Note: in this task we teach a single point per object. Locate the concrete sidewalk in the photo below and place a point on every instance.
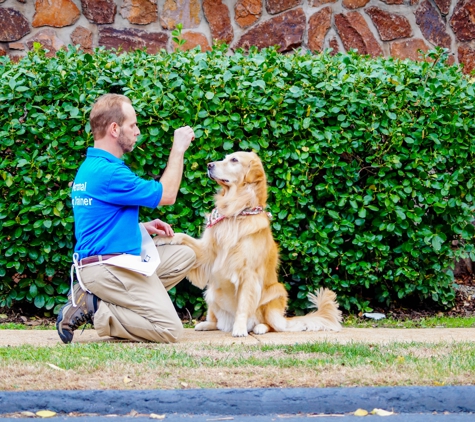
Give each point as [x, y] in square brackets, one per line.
[347, 335]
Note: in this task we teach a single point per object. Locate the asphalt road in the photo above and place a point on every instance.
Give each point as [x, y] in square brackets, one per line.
[408, 417]
[415, 404]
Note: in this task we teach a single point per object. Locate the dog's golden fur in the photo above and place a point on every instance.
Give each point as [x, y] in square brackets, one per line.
[237, 260]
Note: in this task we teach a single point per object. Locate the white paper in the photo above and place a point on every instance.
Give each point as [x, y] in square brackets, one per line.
[374, 315]
[146, 263]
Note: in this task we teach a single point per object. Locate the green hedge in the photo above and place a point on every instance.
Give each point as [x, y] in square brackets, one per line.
[370, 163]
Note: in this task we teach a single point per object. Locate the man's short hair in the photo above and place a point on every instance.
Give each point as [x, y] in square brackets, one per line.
[107, 109]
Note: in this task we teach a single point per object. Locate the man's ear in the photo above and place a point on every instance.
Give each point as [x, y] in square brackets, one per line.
[114, 130]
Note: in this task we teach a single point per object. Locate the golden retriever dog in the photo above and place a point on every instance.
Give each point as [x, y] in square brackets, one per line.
[237, 259]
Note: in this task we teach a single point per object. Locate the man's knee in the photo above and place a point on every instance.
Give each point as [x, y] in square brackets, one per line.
[189, 257]
[175, 332]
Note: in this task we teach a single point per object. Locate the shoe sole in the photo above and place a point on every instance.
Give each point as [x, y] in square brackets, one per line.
[64, 338]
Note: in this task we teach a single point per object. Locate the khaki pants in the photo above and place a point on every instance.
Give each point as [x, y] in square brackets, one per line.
[136, 307]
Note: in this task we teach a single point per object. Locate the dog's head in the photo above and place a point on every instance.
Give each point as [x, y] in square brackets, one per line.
[240, 169]
[237, 169]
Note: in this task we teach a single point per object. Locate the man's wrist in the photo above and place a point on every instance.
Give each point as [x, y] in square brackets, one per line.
[178, 150]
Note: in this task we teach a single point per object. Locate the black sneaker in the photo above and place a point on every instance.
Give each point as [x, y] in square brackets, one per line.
[72, 317]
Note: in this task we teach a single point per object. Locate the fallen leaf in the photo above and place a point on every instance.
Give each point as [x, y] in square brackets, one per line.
[3, 316]
[55, 367]
[184, 384]
[45, 413]
[127, 379]
[155, 416]
[361, 412]
[439, 384]
[381, 412]
[133, 413]
[28, 414]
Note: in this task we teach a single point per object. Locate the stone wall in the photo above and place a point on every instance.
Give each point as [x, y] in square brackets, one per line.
[396, 28]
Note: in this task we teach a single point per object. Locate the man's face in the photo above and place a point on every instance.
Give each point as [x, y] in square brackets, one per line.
[129, 130]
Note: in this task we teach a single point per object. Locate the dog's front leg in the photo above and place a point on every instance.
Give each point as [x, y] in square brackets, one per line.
[199, 273]
[248, 296]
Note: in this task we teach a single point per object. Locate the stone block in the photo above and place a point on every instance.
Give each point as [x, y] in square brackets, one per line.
[393, 1]
[333, 44]
[83, 37]
[193, 39]
[247, 12]
[316, 3]
[443, 5]
[409, 49]
[140, 12]
[466, 56]
[277, 6]
[354, 4]
[16, 46]
[55, 13]
[217, 15]
[132, 39]
[355, 34]
[186, 12]
[99, 11]
[463, 20]
[318, 26]
[431, 25]
[48, 39]
[14, 25]
[285, 30]
[389, 25]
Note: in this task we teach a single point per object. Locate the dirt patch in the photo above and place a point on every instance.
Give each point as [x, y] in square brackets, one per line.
[134, 377]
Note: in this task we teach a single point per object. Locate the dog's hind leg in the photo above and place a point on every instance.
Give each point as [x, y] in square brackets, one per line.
[211, 323]
[261, 329]
[273, 313]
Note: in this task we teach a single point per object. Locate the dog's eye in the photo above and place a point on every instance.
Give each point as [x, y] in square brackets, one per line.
[234, 160]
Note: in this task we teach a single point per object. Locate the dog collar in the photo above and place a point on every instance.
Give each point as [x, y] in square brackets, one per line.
[215, 217]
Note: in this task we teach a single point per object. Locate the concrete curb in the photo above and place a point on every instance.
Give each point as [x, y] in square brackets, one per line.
[245, 401]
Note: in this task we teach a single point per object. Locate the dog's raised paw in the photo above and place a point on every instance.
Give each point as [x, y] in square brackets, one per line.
[160, 241]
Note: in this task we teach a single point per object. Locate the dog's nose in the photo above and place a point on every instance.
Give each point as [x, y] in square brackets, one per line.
[210, 166]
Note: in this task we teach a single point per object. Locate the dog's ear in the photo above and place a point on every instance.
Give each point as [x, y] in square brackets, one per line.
[257, 177]
[255, 173]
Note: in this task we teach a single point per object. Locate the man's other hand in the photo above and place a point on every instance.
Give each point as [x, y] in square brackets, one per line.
[182, 138]
[159, 228]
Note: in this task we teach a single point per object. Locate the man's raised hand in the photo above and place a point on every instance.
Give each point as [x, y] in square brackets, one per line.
[182, 138]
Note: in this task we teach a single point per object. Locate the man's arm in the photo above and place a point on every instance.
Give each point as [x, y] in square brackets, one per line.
[171, 178]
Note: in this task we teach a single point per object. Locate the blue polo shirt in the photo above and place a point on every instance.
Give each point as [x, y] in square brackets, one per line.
[106, 196]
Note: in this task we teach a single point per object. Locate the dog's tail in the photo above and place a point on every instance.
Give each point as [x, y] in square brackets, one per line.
[326, 317]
